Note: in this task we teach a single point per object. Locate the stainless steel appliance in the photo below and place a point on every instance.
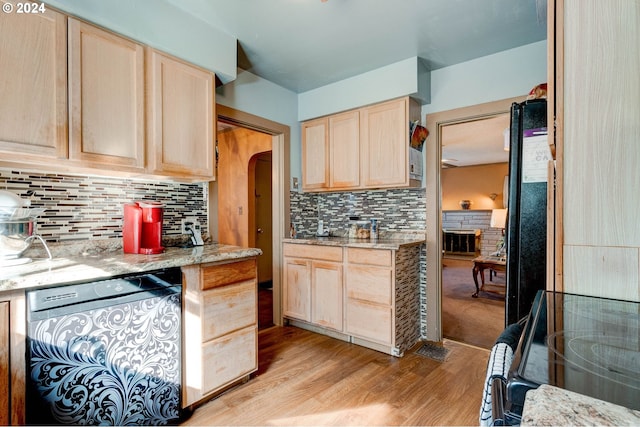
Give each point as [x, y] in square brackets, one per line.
[526, 227]
[106, 352]
[17, 229]
[585, 344]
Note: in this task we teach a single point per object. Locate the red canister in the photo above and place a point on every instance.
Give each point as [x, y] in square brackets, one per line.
[152, 216]
[142, 227]
[131, 228]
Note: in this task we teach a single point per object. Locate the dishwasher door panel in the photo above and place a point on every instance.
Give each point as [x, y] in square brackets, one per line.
[115, 365]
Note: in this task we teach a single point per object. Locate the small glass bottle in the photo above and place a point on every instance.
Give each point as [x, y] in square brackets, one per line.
[353, 226]
[374, 228]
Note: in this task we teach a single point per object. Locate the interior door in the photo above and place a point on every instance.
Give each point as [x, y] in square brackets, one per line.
[263, 204]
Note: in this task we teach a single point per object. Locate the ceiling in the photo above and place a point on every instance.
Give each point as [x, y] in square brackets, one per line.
[305, 44]
[475, 142]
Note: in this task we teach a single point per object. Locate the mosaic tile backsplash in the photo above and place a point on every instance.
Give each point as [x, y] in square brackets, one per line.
[397, 210]
[89, 208]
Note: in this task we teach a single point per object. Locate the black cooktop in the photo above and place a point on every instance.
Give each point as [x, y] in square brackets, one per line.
[584, 344]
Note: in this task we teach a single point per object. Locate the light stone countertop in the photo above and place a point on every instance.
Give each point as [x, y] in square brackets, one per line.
[100, 259]
[552, 406]
[393, 242]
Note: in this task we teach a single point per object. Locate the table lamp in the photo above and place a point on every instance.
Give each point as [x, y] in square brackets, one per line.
[498, 220]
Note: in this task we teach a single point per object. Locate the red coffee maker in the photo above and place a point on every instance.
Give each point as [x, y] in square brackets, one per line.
[142, 227]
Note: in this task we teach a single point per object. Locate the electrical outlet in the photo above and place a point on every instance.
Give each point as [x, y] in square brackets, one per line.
[190, 219]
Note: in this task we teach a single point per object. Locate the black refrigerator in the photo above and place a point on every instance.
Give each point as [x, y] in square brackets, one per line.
[526, 226]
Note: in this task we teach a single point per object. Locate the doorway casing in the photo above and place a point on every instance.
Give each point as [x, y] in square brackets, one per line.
[435, 123]
[280, 172]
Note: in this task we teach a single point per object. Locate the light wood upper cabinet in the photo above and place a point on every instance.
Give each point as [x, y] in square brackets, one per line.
[344, 150]
[181, 115]
[385, 148]
[33, 65]
[365, 148]
[106, 98]
[315, 154]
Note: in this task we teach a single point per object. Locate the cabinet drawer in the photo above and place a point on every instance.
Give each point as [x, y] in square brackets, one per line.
[229, 358]
[327, 253]
[228, 308]
[214, 275]
[369, 321]
[380, 257]
[373, 284]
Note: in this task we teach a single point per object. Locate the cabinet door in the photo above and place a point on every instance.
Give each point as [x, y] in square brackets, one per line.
[385, 144]
[4, 363]
[369, 321]
[327, 295]
[33, 107]
[106, 98]
[297, 289]
[315, 155]
[344, 150]
[181, 114]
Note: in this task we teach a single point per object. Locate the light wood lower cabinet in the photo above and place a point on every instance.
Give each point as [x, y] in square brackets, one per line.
[313, 289]
[326, 294]
[370, 297]
[370, 294]
[220, 327]
[12, 358]
[4, 363]
[297, 289]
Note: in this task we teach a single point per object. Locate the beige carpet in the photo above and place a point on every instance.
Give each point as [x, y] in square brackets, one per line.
[476, 321]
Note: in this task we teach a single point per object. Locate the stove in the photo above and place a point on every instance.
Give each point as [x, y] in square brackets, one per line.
[585, 344]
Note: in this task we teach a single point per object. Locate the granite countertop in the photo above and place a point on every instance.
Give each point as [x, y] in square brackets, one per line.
[88, 261]
[393, 242]
[552, 406]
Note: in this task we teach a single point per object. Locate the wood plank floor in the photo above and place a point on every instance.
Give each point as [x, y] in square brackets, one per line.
[310, 379]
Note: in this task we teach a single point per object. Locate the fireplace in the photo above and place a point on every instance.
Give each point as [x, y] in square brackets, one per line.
[461, 242]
